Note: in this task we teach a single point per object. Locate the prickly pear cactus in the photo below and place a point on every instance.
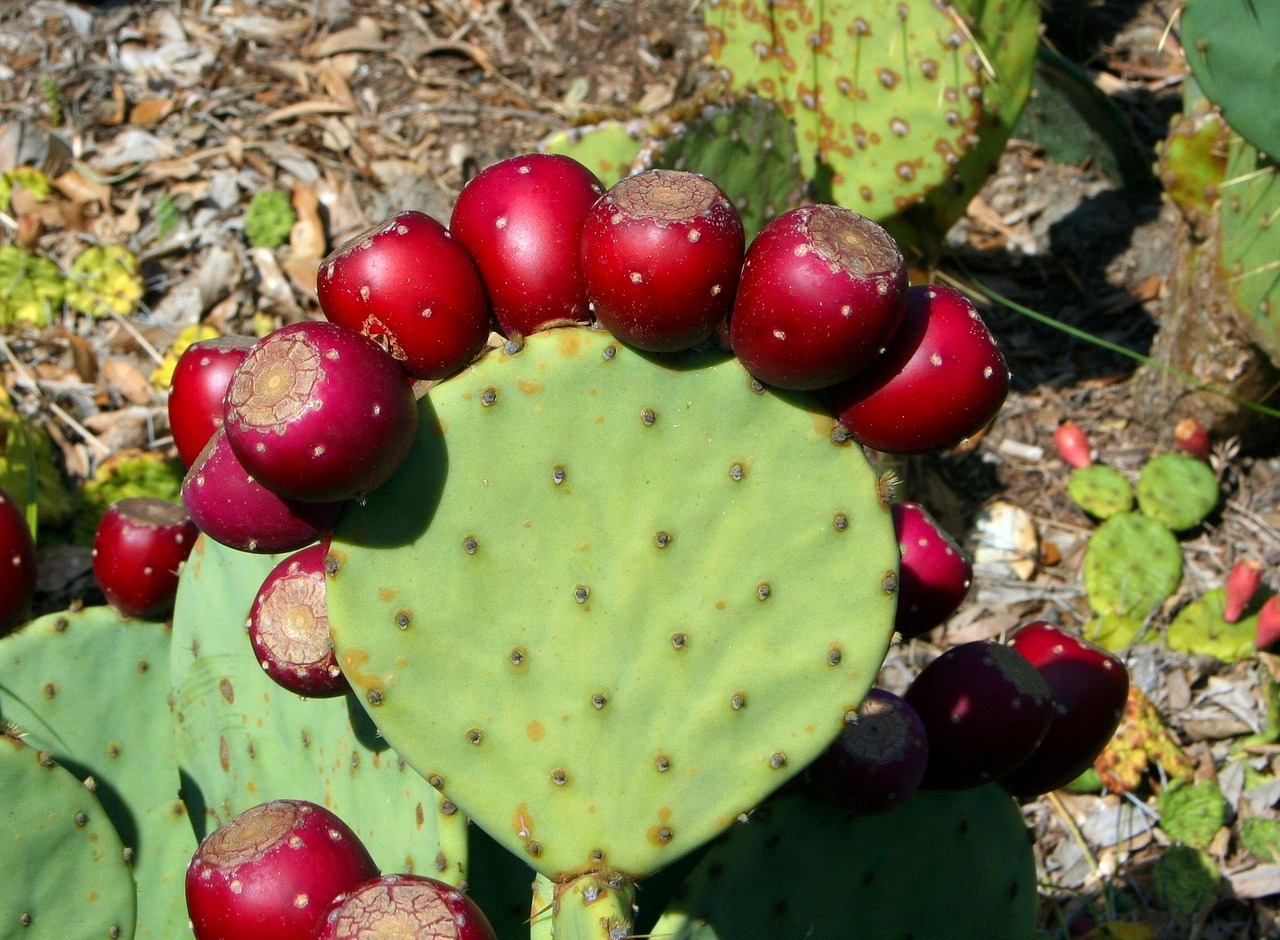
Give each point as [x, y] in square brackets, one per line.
[69, 876]
[55, 675]
[1101, 491]
[610, 601]
[801, 868]
[243, 740]
[1177, 491]
[1248, 210]
[1199, 627]
[895, 104]
[1132, 564]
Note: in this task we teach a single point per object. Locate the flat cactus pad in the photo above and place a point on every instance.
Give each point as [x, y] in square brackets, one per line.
[610, 602]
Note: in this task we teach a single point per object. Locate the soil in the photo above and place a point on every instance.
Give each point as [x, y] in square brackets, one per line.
[361, 109]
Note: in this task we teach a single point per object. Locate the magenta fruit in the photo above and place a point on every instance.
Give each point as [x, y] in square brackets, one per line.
[409, 906]
[139, 549]
[271, 872]
[935, 573]
[821, 293]
[410, 286]
[17, 564]
[661, 253]
[289, 627]
[198, 391]
[320, 413]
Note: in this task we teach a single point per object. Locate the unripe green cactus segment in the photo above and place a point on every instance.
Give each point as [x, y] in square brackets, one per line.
[1101, 491]
[611, 601]
[1132, 564]
[1177, 490]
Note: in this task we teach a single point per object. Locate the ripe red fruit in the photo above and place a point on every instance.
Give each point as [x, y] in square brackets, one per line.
[521, 220]
[661, 253]
[289, 627]
[985, 709]
[17, 564]
[410, 286]
[320, 413]
[879, 759]
[138, 551]
[1243, 582]
[271, 872]
[1192, 437]
[1267, 634]
[1072, 444]
[941, 380]
[935, 573]
[404, 906]
[231, 507]
[1089, 688]
[198, 390]
[821, 293]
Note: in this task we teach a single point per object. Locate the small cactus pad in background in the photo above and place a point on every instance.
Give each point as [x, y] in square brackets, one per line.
[1177, 491]
[800, 868]
[609, 603]
[1101, 491]
[1132, 564]
[1201, 627]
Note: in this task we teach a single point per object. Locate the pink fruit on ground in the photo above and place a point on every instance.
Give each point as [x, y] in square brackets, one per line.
[661, 253]
[1072, 444]
[879, 759]
[17, 564]
[271, 872]
[198, 390]
[941, 380]
[231, 507]
[821, 293]
[985, 709]
[320, 413]
[1267, 634]
[935, 573]
[138, 551]
[521, 220]
[1191, 437]
[410, 286]
[289, 627]
[1243, 582]
[409, 906]
[1089, 687]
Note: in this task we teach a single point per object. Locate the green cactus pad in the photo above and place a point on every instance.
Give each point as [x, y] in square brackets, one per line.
[92, 689]
[1199, 628]
[1132, 564]
[1185, 879]
[607, 149]
[609, 601]
[1248, 211]
[1177, 490]
[1192, 812]
[1261, 837]
[1115, 632]
[1231, 48]
[801, 868]
[66, 876]
[1101, 491]
[243, 740]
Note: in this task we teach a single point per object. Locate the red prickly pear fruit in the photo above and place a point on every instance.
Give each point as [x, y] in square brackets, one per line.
[139, 549]
[1267, 634]
[410, 286]
[271, 872]
[1089, 688]
[289, 627]
[935, 573]
[404, 906]
[198, 391]
[1191, 437]
[985, 709]
[1242, 583]
[941, 380]
[320, 413]
[17, 564]
[230, 506]
[661, 254]
[822, 291]
[1073, 445]
[521, 220]
[878, 761]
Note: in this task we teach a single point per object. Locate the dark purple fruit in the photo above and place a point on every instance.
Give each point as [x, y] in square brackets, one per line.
[935, 573]
[17, 564]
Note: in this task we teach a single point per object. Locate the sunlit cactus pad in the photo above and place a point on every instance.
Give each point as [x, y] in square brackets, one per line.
[608, 603]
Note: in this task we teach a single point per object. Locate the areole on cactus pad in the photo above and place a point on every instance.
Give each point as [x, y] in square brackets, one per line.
[610, 602]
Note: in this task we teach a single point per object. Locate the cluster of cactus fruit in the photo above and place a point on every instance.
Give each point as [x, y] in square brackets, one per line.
[607, 583]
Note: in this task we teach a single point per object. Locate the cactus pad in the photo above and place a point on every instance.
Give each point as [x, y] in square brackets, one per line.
[243, 740]
[1101, 491]
[1177, 491]
[801, 868]
[1249, 210]
[1200, 628]
[1132, 564]
[609, 602]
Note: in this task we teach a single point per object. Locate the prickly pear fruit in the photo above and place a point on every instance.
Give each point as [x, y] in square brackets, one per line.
[661, 253]
[1192, 438]
[521, 219]
[985, 709]
[1267, 633]
[271, 872]
[942, 354]
[1243, 582]
[198, 391]
[935, 573]
[404, 906]
[1177, 490]
[1101, 491]
[822, 291]
[138, 552]
[1072, 444]
[1089, 688]
[320, 413]
[879, 759]
[409, 285]
[17, 564]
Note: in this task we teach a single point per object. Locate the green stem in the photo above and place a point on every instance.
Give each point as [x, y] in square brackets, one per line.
[590, 907]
